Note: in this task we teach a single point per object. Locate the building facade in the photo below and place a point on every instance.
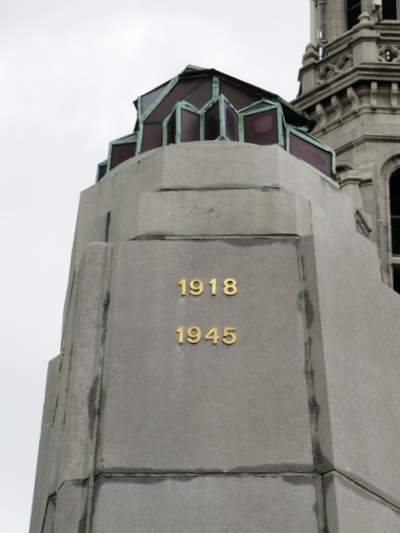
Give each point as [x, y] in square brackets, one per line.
[349, 85]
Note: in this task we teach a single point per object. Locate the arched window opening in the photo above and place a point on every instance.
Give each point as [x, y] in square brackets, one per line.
[395, 211]
[390, 9]
[394, 187]
[396, 278]
[353, 11]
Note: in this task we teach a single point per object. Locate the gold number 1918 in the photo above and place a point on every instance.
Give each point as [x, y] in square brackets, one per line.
[196, 287]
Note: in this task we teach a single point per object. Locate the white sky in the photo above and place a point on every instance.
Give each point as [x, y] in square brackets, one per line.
[68, 74]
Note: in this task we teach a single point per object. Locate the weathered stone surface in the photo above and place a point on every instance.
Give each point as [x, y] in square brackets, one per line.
[351, 509]
[45, 448]
[83, 364]
[205, 407]
[217, 213]
[118, 195]
[310, 386]
[197, 166]
[359, 318]
[49, 518]
[72, 511]
[222, 165]
[206, 504]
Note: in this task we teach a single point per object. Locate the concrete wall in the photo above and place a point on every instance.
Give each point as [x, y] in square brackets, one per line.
[291, 429]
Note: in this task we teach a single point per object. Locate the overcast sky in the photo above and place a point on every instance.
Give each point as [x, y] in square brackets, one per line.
[69, 72]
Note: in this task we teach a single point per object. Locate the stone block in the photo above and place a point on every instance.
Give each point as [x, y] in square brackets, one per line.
[205, 407]
[360, 336]
[206, 504]
[72, 509]
[349, 508]
[222, 165]
[224, 212]
[118, 194]
[45, 448]
[82, 364]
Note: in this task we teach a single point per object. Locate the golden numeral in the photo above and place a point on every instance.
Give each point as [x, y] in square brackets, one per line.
[183, 286]
[213, 286]
[230, 287]
[181, 335]
[193, 335]
[213, 336]
[230, 336]
[196, 287]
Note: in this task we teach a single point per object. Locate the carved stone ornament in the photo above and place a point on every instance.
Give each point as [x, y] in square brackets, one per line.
[329, 71]
[389, 53]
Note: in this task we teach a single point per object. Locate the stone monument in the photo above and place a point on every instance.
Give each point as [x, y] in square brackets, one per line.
[230, 355]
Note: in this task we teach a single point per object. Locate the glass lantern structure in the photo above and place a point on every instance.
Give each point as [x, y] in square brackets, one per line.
[208, 105]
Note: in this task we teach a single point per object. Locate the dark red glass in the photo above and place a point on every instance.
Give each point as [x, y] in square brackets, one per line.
[171, 130]
[231, 123]
[151, 97]
[238, 96]
[121, 152]
[102, 169]
[308, 152]
[261, 128]
[190, 126]
[212, 123]
[152, 136]
[201, 94]
[181, 91]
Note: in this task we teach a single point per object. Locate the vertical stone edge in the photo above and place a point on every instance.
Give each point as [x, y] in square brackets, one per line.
[40, 500]
[315, 373]
[68, 444]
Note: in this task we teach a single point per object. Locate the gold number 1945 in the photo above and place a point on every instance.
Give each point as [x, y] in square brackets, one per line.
[193, 335]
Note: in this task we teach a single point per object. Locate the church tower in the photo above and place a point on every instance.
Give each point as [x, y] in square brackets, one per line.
[349, 84]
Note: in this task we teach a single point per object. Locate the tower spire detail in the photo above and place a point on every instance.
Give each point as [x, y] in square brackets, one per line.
[349, 84]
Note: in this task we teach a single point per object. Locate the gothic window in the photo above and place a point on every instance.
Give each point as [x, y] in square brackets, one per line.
[353, 11]
[394, 186]
[390, 9]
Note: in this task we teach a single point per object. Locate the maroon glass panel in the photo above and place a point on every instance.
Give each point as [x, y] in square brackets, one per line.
[315, 156]
[171, 130]
[255, 107]
[190, 126]
[101, 171]
[181, 91]
[121, 152]
[212, 123]
[261, 128]
[202, 94]
[152, 136]
[238, 96]
[151, 97]
[231, 123]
